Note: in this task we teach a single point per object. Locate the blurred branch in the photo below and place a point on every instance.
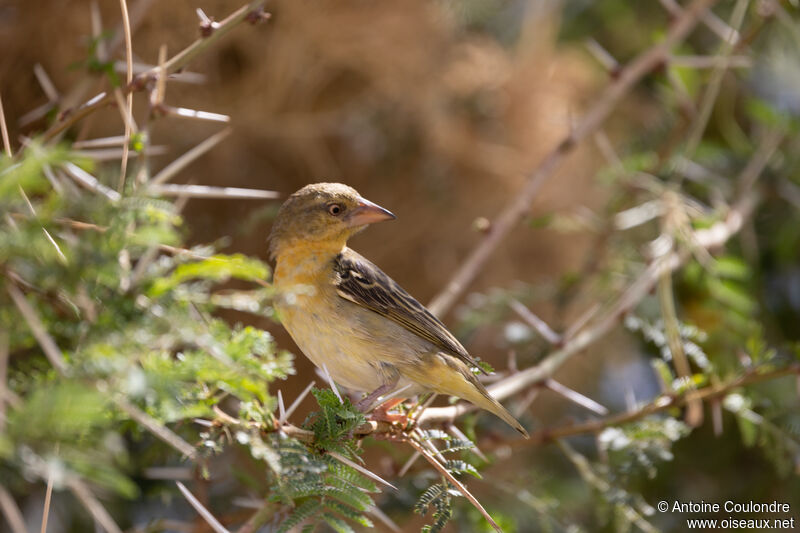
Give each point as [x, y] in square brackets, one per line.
[206, 191]
[457, 484]
[128, 110]
[201, 509]
[508, 218]
[11, 512]
[698, 127]
[180, 163]
[36, 326]
[4, 130]
[156, 428]
[4, 355]
[92, 504]
[173, 65]
[662, 403]
[714, 236]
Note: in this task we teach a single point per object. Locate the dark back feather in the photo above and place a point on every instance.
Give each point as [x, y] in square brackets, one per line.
[361, 282]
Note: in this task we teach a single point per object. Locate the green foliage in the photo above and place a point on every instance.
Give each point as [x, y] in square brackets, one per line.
[334, 424]
[642, 445]
[439, 496]
[132, 323]
[318, 487]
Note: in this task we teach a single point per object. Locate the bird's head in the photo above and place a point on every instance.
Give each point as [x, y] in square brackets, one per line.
[323, 214]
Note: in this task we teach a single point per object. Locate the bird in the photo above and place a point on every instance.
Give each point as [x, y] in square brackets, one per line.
[352, 320]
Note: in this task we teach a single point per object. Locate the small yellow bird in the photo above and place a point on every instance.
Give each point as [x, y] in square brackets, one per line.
[352, 320]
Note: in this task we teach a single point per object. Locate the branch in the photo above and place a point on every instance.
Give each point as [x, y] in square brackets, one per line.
[175, 64]
[643, 64]
[661, 403]
[451, 478]
[714, 236]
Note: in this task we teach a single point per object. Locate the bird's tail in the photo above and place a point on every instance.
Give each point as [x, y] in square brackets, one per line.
[464, 384]
[484, 400]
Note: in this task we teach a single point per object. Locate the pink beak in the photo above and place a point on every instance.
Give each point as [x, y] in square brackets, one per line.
[368, 213]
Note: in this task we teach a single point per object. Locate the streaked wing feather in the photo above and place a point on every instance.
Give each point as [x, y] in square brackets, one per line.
[361, 282]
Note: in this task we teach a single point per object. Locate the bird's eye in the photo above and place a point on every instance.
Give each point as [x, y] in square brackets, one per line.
[335, 209]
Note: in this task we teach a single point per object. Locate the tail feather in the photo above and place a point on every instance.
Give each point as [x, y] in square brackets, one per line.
[473, 391]
[485, 401]
[448, 375]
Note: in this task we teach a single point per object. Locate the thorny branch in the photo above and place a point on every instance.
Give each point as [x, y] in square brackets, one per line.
[508, 218]
[173, 65]
[662, 403]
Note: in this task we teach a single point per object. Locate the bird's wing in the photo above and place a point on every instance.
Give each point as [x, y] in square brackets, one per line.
[361, 282]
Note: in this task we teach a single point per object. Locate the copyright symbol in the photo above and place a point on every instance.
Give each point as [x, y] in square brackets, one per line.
[663, 506]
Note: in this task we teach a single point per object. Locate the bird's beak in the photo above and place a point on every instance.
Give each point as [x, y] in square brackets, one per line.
[368, 213]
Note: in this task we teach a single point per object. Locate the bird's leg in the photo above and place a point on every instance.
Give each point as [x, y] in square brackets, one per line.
[382, 412]
[370, 398]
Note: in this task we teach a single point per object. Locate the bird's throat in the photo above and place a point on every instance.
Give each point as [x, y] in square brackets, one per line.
[303, 262]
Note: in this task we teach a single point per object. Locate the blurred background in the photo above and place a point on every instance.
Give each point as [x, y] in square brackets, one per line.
[437, 110]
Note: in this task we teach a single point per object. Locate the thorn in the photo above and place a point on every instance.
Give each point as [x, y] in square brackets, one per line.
[361, 469]
[537, 323]
[207, 24]
[258, 15]
[281, 408]
[331, 383]
[576, 397]
[296, 402]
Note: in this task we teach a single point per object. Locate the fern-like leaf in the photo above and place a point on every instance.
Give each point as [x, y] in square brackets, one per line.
[304, 511]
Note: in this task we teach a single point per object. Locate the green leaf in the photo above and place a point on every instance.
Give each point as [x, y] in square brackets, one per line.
[302, 512]
[218, 268]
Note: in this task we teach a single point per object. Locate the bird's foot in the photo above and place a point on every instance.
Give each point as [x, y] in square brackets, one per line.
[382, 414]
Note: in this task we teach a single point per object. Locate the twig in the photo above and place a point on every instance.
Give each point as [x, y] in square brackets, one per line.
[47, 498]
[384, 518]
[457, 433]
[694, 411]
[61, 256]
[296, 402]
[361, 469]
[661, 403]
[11, 512]
[126, 26]
[201, 510]
[713, 22]
[90, 182]
[452, 479]
[591, 121]
[535, 322]
[45, 82]
[712, 88]
[176, 63]
[408, 464]
[4, 130]
[575, 397]
[180, 163]
[4, 353]
[182, 112]
[36, 326]
[602, 55]
[156, 428]
[182, 77]
[92, 504]
[103, 142]
[697, 62]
